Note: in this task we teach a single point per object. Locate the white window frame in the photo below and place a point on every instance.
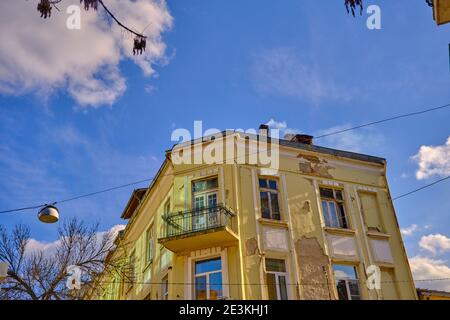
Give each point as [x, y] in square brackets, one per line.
[205, 194]
[207, 275]
[277, 281]
[347, 281]
[209, 253]
[336, 203]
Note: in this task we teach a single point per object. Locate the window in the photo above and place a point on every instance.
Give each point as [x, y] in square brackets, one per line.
[276, 279]
[268, 191]
[205, 197]
[165, 256]
[165, 288]
[208, 279]
[333, 208]
[167, 207]
[347, 284]
[132, 269]
[150, 245]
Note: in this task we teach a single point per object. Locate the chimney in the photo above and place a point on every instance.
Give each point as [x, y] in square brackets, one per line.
[301, 138]
[264, 130]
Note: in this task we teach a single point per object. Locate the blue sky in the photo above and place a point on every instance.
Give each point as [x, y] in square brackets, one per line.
[82, 114]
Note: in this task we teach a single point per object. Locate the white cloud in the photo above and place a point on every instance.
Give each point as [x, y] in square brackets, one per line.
[433, 161]
[283, 127]
[426, 268]
[435, 243]
[34, 246]
[409, 231]
[42, 56]
[281, 71]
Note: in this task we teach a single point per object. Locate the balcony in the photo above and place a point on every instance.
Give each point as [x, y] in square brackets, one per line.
[199, 228]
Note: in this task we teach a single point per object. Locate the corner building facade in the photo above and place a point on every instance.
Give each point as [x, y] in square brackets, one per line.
[316, 228]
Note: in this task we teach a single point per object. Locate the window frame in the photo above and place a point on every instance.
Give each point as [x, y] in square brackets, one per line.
[269, 191]
[339, 206]
[165, 287]
[167, 206]
[150, 237]
[204, 192]
[277, 275]
[207, 276]
[133, 271]
[347, 282]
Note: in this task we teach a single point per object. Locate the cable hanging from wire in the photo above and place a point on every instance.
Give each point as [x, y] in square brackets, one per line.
[140, 41]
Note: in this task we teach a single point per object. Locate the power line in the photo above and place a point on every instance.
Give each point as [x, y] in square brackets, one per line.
[80, 196]
[421, 188]
[237, 157]
[383, 120]
[22, 209]
[104, 190]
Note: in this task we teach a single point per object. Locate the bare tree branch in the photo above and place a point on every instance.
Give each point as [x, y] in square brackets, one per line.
[42, 275]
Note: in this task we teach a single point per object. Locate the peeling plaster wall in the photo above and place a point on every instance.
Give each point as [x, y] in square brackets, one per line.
[315, 270]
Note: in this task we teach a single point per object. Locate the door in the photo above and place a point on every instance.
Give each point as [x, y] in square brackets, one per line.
[198, 219]
[213, 214]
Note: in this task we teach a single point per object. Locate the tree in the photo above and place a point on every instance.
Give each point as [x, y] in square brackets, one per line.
[139, 43]
[43, 275]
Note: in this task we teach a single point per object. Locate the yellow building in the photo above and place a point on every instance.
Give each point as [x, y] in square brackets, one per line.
[315, 227]
[441, 11]
[426, 294]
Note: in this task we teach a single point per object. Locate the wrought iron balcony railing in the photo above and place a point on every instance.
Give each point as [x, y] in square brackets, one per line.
[186, 223]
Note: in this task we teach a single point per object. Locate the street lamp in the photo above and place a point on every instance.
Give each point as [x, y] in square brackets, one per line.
[48, 214]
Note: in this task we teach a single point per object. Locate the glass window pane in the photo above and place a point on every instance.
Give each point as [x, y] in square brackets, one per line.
[275, 265]
[273, 184]
[275, 207]
[333, 215]
[265, 209]
[200, 288]
[354, 289]
[208, 266]
[199, 202]
[165, 288]
[150, 249]
[271, 286]
[326, 214]
[338, 194]
[262, 183]
[342, 218]
[212, 200]
[199, 186]
[326, 193]
[283, 289]
[215, 286]
[342, 272]
[212, 184]
[342, 290]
